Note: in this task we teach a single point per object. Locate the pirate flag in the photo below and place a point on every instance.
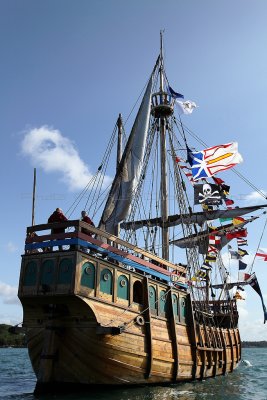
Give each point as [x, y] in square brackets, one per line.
[208, 194]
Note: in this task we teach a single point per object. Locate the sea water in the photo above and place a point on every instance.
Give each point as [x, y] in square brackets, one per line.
[247, 382]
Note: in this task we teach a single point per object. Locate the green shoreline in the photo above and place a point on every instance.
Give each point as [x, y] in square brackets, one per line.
[7, 339]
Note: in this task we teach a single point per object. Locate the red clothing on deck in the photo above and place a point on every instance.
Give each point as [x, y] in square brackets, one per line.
[57, 217]
[88, 221]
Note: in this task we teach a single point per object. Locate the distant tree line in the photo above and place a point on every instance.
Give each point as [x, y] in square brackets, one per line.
[9, 339]
[262, 343]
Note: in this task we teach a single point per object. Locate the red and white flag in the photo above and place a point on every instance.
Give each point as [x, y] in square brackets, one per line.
[186, 169]
[262, 254]
[210, 161]
[243, 276]
[213, 239]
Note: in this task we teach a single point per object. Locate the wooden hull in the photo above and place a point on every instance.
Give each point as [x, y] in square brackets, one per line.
[69, 350]
[93, 321]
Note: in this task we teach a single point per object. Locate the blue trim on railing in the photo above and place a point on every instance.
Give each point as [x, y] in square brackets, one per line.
[114, 256]
[51, 243]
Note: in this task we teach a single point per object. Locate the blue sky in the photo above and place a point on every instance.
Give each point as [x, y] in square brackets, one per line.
[69, 67]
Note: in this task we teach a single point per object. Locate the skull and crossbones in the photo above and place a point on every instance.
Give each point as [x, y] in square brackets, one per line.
[208, 194]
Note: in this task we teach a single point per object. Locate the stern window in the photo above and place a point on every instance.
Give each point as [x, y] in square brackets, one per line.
[88, 275]
[152, 298]
[123, 286]
[30, 275]
[65, 271]
[47, 272]
[106, 281]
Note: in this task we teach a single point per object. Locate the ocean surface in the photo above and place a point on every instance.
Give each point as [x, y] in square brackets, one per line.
[17, 382]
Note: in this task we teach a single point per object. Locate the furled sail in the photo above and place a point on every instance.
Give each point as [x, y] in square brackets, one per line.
[118, 204]
[231, 285]
[201, 239]
[197, 217]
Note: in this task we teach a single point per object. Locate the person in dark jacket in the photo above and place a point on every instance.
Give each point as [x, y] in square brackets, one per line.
[88, 220]
[85, 218]
[57, 216]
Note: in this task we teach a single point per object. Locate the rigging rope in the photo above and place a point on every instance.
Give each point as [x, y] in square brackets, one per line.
[250, 270]
[90, 184]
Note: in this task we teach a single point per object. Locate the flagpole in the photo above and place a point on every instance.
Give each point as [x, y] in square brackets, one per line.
[33, 197]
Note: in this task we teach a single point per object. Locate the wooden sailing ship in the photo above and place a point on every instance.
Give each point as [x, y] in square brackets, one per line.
[105, 310]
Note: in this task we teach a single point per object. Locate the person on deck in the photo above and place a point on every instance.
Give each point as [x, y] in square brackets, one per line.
[85, 218]
[57, 216]
[88, 220]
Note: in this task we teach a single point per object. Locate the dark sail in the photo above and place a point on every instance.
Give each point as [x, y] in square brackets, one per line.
[201, 239]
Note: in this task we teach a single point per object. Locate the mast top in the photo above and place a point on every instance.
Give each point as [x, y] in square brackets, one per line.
[162, 102]
[161, 61]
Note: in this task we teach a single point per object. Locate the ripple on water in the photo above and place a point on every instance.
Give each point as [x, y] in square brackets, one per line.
[17, 382]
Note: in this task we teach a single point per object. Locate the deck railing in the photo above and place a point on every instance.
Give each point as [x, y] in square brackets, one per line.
[216, 307]
[72, 236]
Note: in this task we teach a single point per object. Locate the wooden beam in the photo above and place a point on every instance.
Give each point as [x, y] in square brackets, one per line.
[232, 349]
[174, 338]
[148, 330]
[225, 351]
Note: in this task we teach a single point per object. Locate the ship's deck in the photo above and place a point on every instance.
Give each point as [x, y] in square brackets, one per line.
[103, 244]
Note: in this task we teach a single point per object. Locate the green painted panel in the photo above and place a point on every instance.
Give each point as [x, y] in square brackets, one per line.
[30, 275]
[47, 272]
[162, 301]
[88, 275]
[65, 271]
[123, 287]
[106, 285]
[175, 305]
[182, 302]
[152, 297]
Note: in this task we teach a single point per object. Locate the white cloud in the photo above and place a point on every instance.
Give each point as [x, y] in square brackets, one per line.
[9, 294]
[255, 197]
[10, 320]
[11, 247]
[48, 149]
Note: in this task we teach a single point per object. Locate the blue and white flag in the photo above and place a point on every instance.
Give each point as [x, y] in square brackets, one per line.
[255, 285]
[174, 94]
[184, 107]
[234, 255]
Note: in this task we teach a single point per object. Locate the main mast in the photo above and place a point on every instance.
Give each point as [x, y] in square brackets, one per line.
[163, 151]
[162, 109]
[119, 156]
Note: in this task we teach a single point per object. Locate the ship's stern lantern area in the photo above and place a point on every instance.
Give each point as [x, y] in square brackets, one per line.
[162, 105]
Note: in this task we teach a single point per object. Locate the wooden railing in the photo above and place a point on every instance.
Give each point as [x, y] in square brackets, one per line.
[216, 307]
[38, 239]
